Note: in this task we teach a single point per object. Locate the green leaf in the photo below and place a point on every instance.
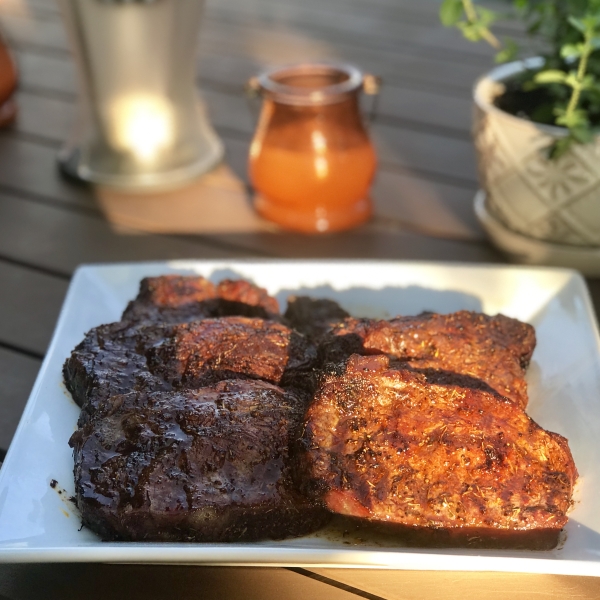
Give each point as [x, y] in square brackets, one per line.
[550, 76]
[508, 52]
[583, 135]
[486, 16]
[588, 82]
[451, 11]
[572, 80]
[576, 120]
[572, 50]
[590, 22]
[560, 147]
[471, 31]
[577, 23]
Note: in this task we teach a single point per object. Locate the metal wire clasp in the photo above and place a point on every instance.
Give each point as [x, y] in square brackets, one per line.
[372, 87]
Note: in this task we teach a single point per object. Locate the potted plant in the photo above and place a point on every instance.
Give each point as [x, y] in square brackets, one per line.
[536, 131]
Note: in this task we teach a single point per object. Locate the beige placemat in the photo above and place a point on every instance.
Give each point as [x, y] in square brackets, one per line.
[218, 202]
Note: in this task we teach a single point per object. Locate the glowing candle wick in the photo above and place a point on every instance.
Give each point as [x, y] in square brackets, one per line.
[142, 124]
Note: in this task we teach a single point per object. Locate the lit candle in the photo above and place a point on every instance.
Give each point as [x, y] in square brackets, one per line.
[141, 124]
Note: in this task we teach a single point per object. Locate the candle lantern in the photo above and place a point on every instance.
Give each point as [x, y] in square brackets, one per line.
[140, 123]
[311, 160]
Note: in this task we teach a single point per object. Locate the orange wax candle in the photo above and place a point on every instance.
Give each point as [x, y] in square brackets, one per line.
[311, 160]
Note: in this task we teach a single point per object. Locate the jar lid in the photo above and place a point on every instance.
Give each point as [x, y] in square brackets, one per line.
[310, 84]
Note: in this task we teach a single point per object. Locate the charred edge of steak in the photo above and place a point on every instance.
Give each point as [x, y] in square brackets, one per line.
[209, 465]
[108, 362]
[176, 299]
[472, 537]
[313, 317]
[203, 527]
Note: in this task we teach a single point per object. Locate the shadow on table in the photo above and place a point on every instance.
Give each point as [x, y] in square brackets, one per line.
[384, 302]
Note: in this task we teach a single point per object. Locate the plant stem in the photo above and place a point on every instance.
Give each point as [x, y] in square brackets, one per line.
[581, 69]
[486, 34]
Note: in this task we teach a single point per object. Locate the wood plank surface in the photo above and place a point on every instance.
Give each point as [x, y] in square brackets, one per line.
[18, 371]
[156, 582]
[30, 301]
[446, 585]
[57, 239]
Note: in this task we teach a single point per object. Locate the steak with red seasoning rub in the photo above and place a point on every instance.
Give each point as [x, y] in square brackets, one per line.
[496, 350]
[180, 299]
[201, 352]
[205, 465]
[440, 462]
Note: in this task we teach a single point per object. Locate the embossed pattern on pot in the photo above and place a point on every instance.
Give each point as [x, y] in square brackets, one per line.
[552, 200]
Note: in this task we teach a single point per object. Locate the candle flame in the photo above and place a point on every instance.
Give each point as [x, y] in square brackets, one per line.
[142, 124]
[319, 144]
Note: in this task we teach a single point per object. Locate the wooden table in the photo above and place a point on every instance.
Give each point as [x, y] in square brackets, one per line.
[423, 197]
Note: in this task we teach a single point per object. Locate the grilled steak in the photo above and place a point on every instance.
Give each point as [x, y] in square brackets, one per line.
[204, 465]
[192, 414]
[112, 358]
[421, 452]
[180, 299]
[198, 353]
[496, 350]
[161, 456]
[120, 358]
[108, 362]
[313, 316]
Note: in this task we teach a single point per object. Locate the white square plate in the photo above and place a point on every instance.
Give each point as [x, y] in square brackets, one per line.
[37, 523]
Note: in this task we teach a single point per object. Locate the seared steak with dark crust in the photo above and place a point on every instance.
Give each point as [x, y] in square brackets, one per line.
[313, 316]
[390, 445]
[205, 465]
[180, 299]
[201, 352]
[108, 362]
[119, 358]
[496, 350]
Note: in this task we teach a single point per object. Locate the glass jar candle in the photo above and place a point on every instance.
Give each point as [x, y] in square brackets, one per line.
[311, 160]
[140, 124]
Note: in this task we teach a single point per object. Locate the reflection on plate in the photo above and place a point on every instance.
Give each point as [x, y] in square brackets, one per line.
[39, 523]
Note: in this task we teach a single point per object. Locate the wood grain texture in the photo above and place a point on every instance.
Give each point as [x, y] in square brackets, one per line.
[17, 375]
[29, 304]
[445, 585]
[57, 239]
[133, 582]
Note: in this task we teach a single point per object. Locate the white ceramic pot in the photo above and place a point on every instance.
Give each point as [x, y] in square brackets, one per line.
[556, 202]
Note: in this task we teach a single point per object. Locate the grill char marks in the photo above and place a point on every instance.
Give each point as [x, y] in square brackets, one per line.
[459, 465]
[119, 358]
[172, 299]
[496, 350]
[205, 465]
